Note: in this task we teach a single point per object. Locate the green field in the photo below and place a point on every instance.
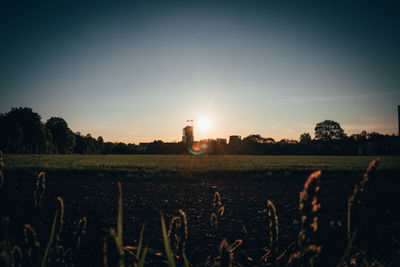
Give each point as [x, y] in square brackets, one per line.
[159, 164]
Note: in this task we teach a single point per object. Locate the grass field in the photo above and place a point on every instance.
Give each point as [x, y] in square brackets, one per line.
[173, 166]
[243, 202]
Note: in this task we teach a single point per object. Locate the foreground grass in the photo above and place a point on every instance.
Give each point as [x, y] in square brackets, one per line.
[305, 253]
[185, 163]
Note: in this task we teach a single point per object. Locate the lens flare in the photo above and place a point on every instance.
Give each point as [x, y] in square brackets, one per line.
[197, 148]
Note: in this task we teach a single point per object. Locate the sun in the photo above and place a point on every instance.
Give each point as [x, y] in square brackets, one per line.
[204, 124]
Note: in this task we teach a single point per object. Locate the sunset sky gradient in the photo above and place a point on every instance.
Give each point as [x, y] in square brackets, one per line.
[136, 72]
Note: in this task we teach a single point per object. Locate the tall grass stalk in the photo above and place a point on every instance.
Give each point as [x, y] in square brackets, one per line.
[16, 255]
[40, 188]
[217, 211]
[357, 207]
[31, 246]
[272, 228]
[308, 207]
[178, 233]
[80, 233]
[225, 254]
[56, 229]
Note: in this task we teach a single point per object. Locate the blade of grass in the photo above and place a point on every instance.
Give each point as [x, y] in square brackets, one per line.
[50, 243]
[185, 260]
[168, 252]
[143, 257]
[348, 248]
[140, 242]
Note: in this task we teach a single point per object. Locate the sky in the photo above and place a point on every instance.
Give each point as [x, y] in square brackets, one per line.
[136, 71]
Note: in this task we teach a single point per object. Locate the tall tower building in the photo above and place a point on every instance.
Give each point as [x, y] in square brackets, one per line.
[187, 135]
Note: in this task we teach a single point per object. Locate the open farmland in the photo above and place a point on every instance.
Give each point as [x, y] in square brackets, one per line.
[276, 178]
[173, 166]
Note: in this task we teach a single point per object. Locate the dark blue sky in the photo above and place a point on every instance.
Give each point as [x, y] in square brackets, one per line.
[136, 71]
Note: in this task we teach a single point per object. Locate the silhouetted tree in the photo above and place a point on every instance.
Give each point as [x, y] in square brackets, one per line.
[269, 140]
[100, 144]
[22, 131]
[63, 137]
[328, 130]
[50, 148]
[358, 142]
[119, 148]
[254, 138]
[256, 144]
[305, 138]
[287, 146]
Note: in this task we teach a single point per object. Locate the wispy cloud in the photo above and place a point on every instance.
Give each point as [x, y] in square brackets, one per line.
[333, 99]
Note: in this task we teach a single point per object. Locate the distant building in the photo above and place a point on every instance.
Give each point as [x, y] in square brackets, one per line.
[187, 135]
[221, 141]
[234, 139]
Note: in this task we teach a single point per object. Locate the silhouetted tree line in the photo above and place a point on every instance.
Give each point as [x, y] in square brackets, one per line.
[330, 139]
[22, 131]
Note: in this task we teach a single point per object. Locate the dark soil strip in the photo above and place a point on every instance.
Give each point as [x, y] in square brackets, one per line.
[244, 198]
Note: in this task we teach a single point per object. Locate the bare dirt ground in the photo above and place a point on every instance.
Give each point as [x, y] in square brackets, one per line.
[244, 218]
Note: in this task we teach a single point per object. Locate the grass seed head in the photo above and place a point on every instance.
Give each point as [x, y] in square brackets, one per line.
[178, 233]
[217, 200]
[40, 188]
[225, 254]
[235, 245]
[272, 225]
[183, 231]
[16, 256]
[80, 233]
[217, 210]
[32, 246]
[173, 233]
[309, 208]
[60, 218]
[358, 200]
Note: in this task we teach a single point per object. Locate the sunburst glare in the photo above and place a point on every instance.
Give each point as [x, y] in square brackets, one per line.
[204, 124]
